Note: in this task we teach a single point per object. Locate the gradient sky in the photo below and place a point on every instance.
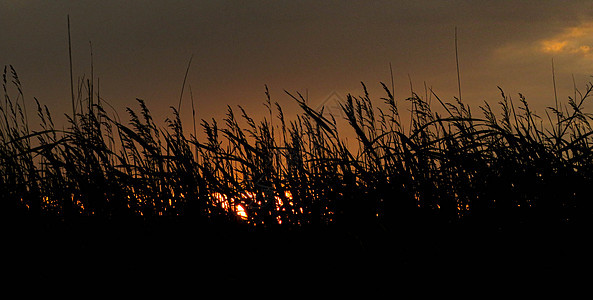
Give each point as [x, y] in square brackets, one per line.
[141, 50]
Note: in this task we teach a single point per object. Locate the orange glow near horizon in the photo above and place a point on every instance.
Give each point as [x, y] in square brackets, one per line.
[231, 204]
[240, 211]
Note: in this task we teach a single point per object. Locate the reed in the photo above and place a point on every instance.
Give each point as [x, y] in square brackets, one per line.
[508, 165]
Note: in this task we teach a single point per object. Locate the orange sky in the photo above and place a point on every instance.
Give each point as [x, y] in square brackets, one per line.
[322, 48]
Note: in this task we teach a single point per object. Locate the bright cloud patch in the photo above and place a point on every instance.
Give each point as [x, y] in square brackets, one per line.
[575, 40]
[571, 47]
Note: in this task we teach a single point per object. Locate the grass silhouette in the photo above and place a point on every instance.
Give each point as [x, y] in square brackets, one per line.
[506, 187]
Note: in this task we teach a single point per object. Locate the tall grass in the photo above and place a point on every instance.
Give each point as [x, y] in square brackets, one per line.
[506, 165]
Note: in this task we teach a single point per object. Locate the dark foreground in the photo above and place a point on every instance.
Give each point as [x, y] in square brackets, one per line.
[178, 255]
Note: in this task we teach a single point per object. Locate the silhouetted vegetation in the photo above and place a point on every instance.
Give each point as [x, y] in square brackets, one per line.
[506, 169]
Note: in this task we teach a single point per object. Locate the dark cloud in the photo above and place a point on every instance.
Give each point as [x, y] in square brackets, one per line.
[141, 48]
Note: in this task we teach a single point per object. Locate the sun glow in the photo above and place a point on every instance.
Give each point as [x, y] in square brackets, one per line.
[241, 212]
[241, 205]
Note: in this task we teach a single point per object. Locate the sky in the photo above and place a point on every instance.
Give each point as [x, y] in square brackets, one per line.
[321, 49]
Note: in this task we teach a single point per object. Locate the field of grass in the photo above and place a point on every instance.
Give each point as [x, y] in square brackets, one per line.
[455, 190]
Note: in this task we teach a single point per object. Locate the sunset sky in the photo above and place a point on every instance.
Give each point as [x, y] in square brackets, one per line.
[141, 50]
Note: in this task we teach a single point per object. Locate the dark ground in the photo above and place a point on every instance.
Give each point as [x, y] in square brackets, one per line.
[179, 255]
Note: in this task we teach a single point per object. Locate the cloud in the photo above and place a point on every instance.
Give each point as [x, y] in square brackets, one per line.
[571, 45]
[577, 41]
